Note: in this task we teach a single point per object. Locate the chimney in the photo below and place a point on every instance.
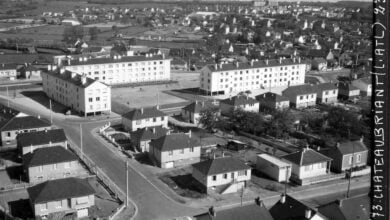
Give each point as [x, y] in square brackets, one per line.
[154, 130]
[220, 65]
[307, 213]
[212, 211]
[361, 139]
[259, 202]
[280, 60]
[252, 62]
[339, 202]
[216, 66]
[157, 107]
[266, 61]
[163, 56]
[49, 67]
[237, 65]
[283, 198]
[72, 74]
[299, 59]
[189, 134]
[142, 111]
[83, 79]
[68, 61]
[62, 70]
[338, 144]
[318, 148]
[53, 67]
[196, 102]
[80, 59]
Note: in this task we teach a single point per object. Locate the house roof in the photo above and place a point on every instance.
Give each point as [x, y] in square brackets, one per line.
[269, 96]
[41, 137]
[220, 165]
[197, 107]
[6, 114]
[357, 207]
[365, 80]
[112, 60]
[137, 114]
[300, 90]
[347, 86]
[25, 122]
[48, 155]
[349, 147]
[256, 64]
[148, 133]
[291, 209]
[174, 142]
[247, 212]
[59, 189]
[75, 80]
[239, 100]
[8, 66]
[306, 157]
[325, 86]
[26, 58]
[274, 160]
[319, 60]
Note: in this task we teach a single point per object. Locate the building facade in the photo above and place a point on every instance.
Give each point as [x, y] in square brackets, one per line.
[243, 102]
[143, 118]
[239, 77]
[301, 96]
[30, 141]
[327, 93]
[78, 92]
[123, 69]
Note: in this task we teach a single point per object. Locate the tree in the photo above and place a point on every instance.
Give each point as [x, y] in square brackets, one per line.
[73, 33]
[209, 117]
[280, 125]
[93, 32]
[343, 123]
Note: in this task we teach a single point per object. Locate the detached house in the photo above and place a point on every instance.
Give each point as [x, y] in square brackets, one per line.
[307, 165]
[356, 207]
[50, 163]
[273, 167]
[327, 93]
[271, 100]
[30, 141]
[174, 150]
[30, 72]
[144, 117]
[364, 84]
[347, 91]
[301, 96]
[243, 102]
[191, 112]
[8, 71]
[225, 174]
[18, 125]
[141, 137]
[61, 197]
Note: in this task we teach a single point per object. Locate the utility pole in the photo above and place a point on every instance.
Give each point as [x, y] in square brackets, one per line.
[127, 183]
[7, 97]
[81, 142]
[285, 182]
[350, 170]
[51, 115]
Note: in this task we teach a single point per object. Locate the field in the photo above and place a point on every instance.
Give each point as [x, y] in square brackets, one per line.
[51, 33]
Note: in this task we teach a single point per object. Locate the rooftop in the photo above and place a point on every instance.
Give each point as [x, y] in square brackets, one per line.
[300, 90]
[254, 64]
[357, 207]
[41, 137]
[220, 165]
[278, 162]
[25, 122]
[148, 133]
[73, 78]
[174, 142]
[142, 113]
[48, 155]
[116, 59]
[198, 106]
[239, 100]
[247, 212]
[306, 157]
[269, 96]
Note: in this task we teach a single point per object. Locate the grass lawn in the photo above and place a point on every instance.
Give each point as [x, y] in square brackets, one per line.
[184, 185]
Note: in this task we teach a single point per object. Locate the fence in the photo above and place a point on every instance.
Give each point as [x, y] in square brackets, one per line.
[13, 187]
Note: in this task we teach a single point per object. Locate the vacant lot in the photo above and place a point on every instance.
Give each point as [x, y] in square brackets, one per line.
[48, 33]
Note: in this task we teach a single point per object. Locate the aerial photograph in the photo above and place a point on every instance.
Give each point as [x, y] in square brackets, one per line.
[185, 109]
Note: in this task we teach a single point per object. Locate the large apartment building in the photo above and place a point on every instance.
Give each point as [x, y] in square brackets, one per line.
[216, 79]
[123, 69]
[78, 92]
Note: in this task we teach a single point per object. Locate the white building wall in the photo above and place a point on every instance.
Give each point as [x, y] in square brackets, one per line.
[303, 101]
[133, 125]
[229, 178]
[313, 170]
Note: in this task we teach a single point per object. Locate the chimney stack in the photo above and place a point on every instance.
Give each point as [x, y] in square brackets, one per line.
[216, 66]
[252, 62]
[283, 198]
[259, 202]
[189, 134]
[202, 103]
[62, 70]
[280, 60]
[307, 213]
[266, 61]
[83, 79]
[237, 65]
[362, 139]
[154, 130]
[339, 202]
[299, 59]
[212, 211]
[142, 111]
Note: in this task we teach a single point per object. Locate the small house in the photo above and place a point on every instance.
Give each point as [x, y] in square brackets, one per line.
[30, 141]
[275, 168]
[144, 117]
[192, 112]
[301, 96]
[327, 93]
[319, 64]
[141, 137]
[271, 100]
[355, 207]
[348, 91]
[243, 102]
[364, 85]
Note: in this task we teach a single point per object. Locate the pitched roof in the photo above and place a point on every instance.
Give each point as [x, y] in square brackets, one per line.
[21, 58]
[174, 142]
[41, 137]
[239, 100]
[6, 114]
[197, 107]
[357, 207]
[306, 157]
[247, 212]
[346, 86]
[48, 155]
[269, 96]
[75, 79]
[137, 114]
[300, 90]
[148, 133]
[325, 86]
[291, 209]
[25, 122]
[220, 165]
[112, 60]
[8, 66]
[348, 147]
[59, 189]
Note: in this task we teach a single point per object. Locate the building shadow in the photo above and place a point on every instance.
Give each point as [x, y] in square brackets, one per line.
[21, 209]
[15, 173]
[41, 98]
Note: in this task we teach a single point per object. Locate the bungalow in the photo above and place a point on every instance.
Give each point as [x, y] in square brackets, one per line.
[271, 100]
[327, 93]
[225, 174]
[8, 71]
[301, 96]
[347, 91]
[30, 141]
[319, 64]
[243, 102]
[62, 197]
[356, 207]
[247, 212]
[174, 150]
[18, 125]
[364, 84]
[191, 112]
[307, 165]
[289, 208]
[275, 168]
[50, 163]
[347, 154]
[29, 72]
[141, 137]
[144, 117]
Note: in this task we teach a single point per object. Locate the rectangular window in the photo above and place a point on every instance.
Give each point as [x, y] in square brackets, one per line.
[242, 173]
[44, 206]
[154, 119]
[358, 158]
[8, 134]
[90, 99]
[57, 204]
[170, 153]
[191, 149]
[97, 98]
[350, 160]
[82, 200]
[214, 178]
[225, 176]
[300, 97]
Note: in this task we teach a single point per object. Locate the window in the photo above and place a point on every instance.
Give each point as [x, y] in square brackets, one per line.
[97, 98]
[232, 175]
[242, 173]
[154, 119]
[82, 200]
[170, 153]
[350, 160]
[57, 204]
[301, 97]
[8, 134]
[90, 99]
[214, 178]
[358, 158]
[225, 176]
[44, 206]
[182, 151]
[162, 118]
[326, 93]
[191, 149]
[67, 165]
[138, 122]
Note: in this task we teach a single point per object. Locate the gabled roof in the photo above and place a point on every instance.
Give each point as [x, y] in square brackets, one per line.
[300, 90]
[48, 155]
[325, 86]
[41, 137]
[220, 165]
[148, 133]
[247, 212]
[142, 113]
[291, 209]
[349, 147]
[8, 66]
[112, 60]
[6, 114]
[255, 64]
[75, 80]
[26, 122]
[319, 60]
[357, 207]
[197, 107]
[59, 189]
[347, 86]
[306, 157]
[269, 96]
[239, 100]
[174, 142]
